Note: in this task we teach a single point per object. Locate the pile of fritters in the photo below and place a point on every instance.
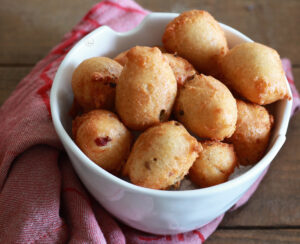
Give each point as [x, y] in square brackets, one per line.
[196, 106]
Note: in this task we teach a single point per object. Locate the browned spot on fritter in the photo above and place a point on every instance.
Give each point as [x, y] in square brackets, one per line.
[162, 115]
[147, 165]
[102, 141]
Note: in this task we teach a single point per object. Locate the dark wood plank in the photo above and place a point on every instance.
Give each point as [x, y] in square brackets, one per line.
[9, 78]
[278, 236]
[29, 31]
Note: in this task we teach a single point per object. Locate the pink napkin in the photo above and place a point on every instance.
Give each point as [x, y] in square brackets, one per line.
[41, 199]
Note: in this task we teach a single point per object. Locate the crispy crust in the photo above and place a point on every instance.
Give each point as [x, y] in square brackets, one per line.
[146, 89]
[162, 156]
[103, 138]
[94, 82]
[198, 37]
[207, 108]
[182, 69]
[255, 72]
[252, 134]
[214, 165]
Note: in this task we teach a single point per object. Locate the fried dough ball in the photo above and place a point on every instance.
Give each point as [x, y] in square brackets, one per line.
[182, 68]
[253, 129]
[214, 165]
[162, 156]
[255, 72]
[198, 37]
[121, 58]
[146, 89]
[94, 82]
[207, 108]
[103, 138]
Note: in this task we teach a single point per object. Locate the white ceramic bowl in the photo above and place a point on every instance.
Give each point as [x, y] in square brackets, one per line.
[154, 211]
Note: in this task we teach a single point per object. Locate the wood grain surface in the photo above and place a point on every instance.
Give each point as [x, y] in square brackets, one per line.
[250, 236]
[29, 31]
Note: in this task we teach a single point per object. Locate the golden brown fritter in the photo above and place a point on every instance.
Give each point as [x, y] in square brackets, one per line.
[182, 69]
[196, 36]
[216, 162]
[207, 108]
[94, 82]
[146, 89]
[162, 156]
[253, 129]
[121, 58]
[255, 72]
[103, 138]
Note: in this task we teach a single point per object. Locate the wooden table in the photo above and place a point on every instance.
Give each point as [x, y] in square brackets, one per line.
[28, 29]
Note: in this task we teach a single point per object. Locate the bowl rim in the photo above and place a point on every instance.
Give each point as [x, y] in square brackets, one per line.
[67, 140]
